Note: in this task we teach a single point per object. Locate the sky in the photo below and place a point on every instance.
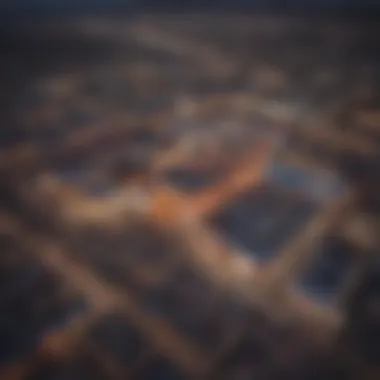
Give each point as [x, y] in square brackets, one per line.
[12, 10]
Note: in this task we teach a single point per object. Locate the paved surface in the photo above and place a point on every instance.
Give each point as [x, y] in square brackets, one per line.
[190, 197]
